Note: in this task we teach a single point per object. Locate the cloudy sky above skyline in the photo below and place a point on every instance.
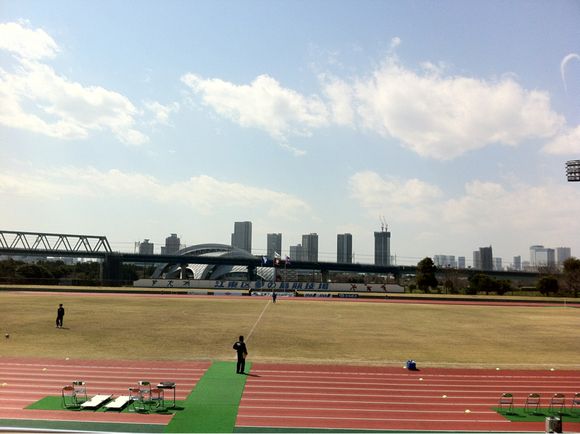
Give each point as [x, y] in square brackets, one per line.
[451, 119]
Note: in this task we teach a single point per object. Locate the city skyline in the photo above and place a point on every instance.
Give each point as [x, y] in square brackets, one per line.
[483, 258]
[450, 121]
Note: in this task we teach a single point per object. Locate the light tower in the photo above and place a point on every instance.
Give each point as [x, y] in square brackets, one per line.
[573, 170]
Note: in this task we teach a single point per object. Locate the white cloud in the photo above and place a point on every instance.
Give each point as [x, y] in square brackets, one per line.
[566, 143]
[161, 113]
[293, 150]
[431, 112]
[204, 194]
[340, 100]
[36, 98]
[485, 213]
[395, 42]
[410, 198]
[27, 43]
[444, 116]
[262, 104]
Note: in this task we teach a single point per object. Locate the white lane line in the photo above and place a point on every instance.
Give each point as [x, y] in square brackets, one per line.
[463, 421]
[362, 410]
[380, 390]
[286, 402]
[321, 373]
[257, 321]
[426, 383]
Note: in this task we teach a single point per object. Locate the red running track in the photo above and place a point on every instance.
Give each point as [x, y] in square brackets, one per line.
[347, 397]
[25, 381]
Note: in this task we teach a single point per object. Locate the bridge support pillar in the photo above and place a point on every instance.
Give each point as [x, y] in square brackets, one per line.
[111, 270]
[251, 273]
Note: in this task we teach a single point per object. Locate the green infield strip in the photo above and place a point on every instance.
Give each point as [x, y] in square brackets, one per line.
[519, 415]
[213, 405]
[26, 425]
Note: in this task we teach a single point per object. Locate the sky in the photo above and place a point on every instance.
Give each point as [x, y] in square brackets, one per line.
[451, 121]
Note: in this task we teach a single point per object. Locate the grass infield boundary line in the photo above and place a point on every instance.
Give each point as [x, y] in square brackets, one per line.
[257, 321]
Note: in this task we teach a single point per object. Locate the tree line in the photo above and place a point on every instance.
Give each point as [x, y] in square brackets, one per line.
[564, 283]
[43, 272]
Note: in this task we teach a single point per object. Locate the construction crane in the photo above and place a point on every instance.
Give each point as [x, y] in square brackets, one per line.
[384, 225]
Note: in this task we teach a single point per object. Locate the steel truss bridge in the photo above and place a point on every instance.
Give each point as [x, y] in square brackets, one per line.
[36, 241]
[50, 245]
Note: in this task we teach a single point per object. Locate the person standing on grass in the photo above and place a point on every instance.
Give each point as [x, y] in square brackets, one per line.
[242, 351]
[59, 316]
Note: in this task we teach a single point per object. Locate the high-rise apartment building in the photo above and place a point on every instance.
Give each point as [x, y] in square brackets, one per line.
[476, 260]
[344, 248]
[486, 258]
[562, 253]
[146, 248]
[461, 262]
[310, 247]
[273, 245]
[242, 236]
[297, 253]
[383, 248]
[533, 250]
[517, 263]
[172, 245]
[545, 258]
[497, 264]
[541, 256]
[444, 261]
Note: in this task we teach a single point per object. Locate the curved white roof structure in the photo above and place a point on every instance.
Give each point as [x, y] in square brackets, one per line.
[211, 271]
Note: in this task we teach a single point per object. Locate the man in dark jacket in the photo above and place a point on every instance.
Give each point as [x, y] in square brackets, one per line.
[242, 351]
[59, 316]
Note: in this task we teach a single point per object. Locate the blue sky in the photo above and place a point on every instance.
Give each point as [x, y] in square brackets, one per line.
[452, 119]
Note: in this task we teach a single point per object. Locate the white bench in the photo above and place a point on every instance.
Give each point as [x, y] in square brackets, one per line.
[96, 401]
[118, 403]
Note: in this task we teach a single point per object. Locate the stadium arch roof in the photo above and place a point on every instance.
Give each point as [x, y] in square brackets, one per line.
[211, 271]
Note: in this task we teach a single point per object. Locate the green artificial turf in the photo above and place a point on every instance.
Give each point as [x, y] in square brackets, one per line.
[25, 425]
[213, 405]
[519, 415]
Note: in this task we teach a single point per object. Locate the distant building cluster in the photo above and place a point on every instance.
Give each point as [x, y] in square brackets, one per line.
[307, 251]
[541, 256]
[484, 260]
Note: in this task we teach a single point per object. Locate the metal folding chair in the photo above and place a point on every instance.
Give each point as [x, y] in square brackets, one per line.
[532, 402]
[136, 399]
[557, 403]
[80, 391]
[69, 397]
[506, 401]
[158, 398]
[140, 396]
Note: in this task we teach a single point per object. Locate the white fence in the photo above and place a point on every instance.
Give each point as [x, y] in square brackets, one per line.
[231, 285]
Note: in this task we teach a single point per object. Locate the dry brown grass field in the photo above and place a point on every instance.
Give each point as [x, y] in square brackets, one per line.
[310, 331]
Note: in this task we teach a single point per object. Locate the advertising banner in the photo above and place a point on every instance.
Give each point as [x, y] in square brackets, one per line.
[259, 286]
